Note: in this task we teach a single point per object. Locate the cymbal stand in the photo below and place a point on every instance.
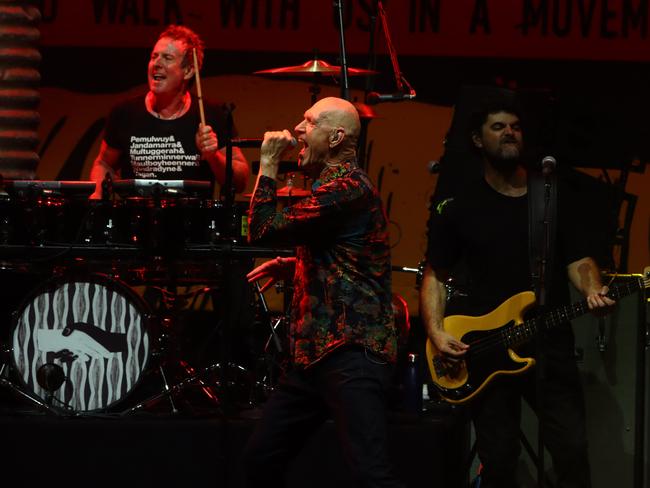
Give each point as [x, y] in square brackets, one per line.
[169, 391]
[314, 88]
[345, 87]
[273, 326]
[169, 307]
[273, 350]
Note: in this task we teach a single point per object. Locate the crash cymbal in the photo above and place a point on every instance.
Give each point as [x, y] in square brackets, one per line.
[314, 67]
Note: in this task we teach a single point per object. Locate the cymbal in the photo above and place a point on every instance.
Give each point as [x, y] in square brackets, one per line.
[292, 192]
[314, 67]
[287, 192]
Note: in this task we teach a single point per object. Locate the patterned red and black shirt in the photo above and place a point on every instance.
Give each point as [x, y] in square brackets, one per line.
[342, 282]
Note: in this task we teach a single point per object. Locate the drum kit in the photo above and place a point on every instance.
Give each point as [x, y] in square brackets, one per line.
[100, 323]
[85, 341]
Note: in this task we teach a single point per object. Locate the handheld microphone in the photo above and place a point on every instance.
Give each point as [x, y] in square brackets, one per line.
[374, 97]
[256, 142]
[548, 165]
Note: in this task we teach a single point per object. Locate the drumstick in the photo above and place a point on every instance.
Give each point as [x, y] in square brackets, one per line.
[198, 86]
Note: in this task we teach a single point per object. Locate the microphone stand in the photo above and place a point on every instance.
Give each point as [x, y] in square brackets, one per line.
[542, 300]
[345, 89]
[227, 195]
[363, 152]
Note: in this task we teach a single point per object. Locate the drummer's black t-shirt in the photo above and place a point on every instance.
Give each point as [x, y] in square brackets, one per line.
[153, 148]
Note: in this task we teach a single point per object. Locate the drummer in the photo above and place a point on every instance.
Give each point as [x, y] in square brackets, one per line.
[159, 135]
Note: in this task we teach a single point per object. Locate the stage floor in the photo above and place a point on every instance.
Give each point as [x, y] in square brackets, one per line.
[203, 448]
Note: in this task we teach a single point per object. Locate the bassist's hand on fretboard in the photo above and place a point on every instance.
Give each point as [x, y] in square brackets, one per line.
[599, 303]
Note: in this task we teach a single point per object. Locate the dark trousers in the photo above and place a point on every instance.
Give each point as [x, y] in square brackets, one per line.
[497, 414]
[349, 386]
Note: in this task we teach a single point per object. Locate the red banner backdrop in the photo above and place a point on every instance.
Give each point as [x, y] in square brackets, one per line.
[532, 29]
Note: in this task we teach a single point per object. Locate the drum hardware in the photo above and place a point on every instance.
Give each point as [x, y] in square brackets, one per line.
[157, 217]
[271, 360]
[316, 68]
[5, 381]
[289, 193]
[89, 234]
[36, 216]
[39, 212]
[169, 364]
[162, 188]
[163, 226]
[43, 218]
[366, 112]
[273, 326]
[169, 391]
[284, 166]
[84, 298]
[160, 216]
[274, 351]
[50, 377]
[454, 290]
[70, 189]
[224, 382]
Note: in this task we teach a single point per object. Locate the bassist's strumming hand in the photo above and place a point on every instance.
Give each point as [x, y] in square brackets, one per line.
[452, 349]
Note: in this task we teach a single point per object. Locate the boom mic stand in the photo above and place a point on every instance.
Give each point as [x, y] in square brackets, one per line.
[372, 97]
[345, 88]
[401, 84]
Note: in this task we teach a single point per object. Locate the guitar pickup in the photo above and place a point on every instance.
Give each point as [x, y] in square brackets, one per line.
[443, 368]
[439, 366]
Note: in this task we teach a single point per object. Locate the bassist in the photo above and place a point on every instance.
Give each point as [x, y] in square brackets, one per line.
[485, 228]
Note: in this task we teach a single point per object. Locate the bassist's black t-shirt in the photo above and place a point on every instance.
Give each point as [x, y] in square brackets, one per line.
[485, 234]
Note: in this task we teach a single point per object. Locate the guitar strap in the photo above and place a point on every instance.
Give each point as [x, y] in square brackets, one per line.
[542, 207]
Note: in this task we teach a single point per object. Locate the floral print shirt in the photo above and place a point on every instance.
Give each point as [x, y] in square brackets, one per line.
[342, 282]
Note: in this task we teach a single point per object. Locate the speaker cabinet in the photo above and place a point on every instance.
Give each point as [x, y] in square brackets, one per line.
[613, 359]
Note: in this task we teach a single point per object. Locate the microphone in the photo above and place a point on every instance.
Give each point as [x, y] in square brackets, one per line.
[374, 97]
[50, 377]
[256, 142]
[548, 165]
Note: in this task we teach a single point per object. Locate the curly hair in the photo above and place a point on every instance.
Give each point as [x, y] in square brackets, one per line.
[190, 38]
[493, 105]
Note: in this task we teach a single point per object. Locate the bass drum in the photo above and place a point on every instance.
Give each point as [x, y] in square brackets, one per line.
[81, 345]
